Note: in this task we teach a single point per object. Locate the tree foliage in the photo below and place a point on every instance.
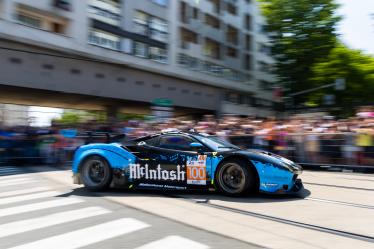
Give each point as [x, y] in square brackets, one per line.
[302, 33]
[352, 65]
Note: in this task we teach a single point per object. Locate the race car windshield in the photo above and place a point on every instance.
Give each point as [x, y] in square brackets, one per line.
[217, 144]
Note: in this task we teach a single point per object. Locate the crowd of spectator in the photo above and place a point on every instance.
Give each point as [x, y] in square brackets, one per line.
[312, 140]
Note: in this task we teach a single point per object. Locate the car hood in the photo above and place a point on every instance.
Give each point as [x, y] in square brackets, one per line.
[268, 157]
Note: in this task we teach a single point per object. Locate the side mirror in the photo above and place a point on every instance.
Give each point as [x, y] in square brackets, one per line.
[142, 143]
[196, 145]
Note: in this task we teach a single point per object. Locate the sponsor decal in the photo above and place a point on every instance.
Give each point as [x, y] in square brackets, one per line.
[150, 185]
[138, 171]
[196, 170]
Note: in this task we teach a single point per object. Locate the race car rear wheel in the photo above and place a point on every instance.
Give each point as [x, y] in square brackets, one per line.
[235, 178]
[96, 174]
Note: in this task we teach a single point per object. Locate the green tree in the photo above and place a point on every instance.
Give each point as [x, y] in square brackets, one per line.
[358, 70]
[302, 33]
[69, 118]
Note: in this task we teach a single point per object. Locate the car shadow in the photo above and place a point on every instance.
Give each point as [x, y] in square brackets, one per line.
[197, 196]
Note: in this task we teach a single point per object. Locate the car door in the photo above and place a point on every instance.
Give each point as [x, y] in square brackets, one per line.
[193, 162]
[171, 163]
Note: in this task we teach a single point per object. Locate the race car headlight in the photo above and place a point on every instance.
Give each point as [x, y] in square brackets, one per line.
[294, 168]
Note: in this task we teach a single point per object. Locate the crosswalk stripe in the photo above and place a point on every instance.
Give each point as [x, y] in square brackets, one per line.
[20, 198]
[3, 184]
[22, 191]
[14, 180]
[10, 176]
[172, 242]
[39, 206]
[87, 236]
[22, 226]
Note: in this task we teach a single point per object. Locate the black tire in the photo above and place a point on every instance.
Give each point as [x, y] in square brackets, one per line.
[235, 178]
[96, 174]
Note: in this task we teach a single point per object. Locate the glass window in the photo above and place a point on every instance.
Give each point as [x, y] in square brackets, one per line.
[140, 49]
[103, 39]
[141, 18]
[176, 142]
[161, 2]
[29, 20]
[159, 29]
[154, 141]
[158, 54]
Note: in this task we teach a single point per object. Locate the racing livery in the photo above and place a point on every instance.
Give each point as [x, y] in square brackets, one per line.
[181, 161]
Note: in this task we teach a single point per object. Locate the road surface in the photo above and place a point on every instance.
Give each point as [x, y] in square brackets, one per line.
[41, 208]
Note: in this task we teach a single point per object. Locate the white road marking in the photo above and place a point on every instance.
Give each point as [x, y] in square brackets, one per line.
[20, 198]
[4, 184]
[22, 191]
[50, 220]
[39, 206]
[172, 242]
[5, 176]
[14, 180]
[87, 236]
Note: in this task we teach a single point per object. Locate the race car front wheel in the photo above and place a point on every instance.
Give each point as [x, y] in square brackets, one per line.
[235, 178]
[96, 174]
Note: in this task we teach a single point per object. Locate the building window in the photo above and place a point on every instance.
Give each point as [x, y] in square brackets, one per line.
[212, 49]
[140, 49]
[232, 35]
[248, 42]
[231, 8]
[183, 12]
[248, 22]
[231, 52]
[158, 29]
[158, 54]
[58, 28]
[161, 2]
[104, 39]
[141, 23]
[195, 13]
[187, 37]
[105, 15]
[63, 4]
[212, 21]
[247, 63]
[216, 5]
[29, 20]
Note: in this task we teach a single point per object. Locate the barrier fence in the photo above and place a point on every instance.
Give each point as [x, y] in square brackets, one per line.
[328, 149]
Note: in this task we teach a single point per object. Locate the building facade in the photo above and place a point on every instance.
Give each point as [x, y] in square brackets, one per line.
[201, 55]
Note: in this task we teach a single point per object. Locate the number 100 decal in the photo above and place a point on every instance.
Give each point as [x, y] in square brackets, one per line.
[196, 170]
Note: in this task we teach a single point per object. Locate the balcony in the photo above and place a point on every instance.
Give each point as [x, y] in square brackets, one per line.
[108, 12]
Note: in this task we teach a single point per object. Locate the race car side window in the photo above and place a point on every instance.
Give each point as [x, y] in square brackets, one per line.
[154, 141]
[176, 142]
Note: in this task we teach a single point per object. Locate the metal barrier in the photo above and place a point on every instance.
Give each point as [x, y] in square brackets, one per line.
[345, 150]
[315, 149]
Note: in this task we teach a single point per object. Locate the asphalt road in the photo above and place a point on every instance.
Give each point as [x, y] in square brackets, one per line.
[40, 208]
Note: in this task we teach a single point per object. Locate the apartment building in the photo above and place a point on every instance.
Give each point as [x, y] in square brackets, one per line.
[208, 55]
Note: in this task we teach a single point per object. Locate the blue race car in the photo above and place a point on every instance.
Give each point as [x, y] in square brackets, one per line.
[180, 161]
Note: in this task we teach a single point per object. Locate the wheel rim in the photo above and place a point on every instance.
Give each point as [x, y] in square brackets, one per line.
[232, 178]
[95, 172]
